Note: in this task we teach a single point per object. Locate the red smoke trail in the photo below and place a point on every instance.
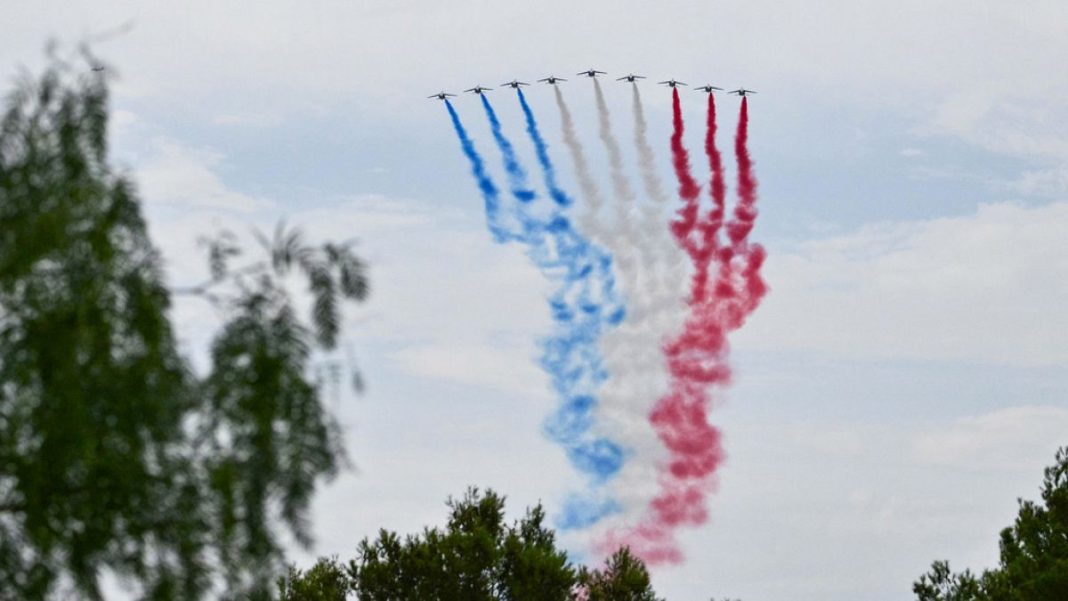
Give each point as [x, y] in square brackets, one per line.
[745, 213]
[698, 357]
[709, 227]
[688, 188]
[738, 228]
[718, 189]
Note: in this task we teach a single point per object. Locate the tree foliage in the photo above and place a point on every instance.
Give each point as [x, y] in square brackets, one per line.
[476, 556]
[1033, 562]
[623, 578]
[114, 455]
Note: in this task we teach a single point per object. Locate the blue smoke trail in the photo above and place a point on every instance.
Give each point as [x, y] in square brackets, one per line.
[517, 177]
[542, 150]
[490, 194]
[584, 304]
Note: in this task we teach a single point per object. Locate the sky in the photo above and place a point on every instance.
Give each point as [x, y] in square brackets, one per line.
[904, 382]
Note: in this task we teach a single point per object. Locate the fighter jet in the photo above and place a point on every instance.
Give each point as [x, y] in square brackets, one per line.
[552, 79]
[98, 68]
[707, 89]
[514, 84]
[671, 83]
[441, 95]
[742, 92]
[478, 89]
[630, 77]
[591, 73]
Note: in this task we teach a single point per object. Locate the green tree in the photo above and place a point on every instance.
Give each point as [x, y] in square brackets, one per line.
[1033, 562]
[114, 455]
[623, 578]
[477, 555]
[327, 580]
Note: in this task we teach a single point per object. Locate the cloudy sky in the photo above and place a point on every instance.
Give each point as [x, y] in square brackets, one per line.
[904, 382]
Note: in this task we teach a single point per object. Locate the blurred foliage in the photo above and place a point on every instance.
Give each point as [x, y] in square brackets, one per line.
[114, 456]
[1033, 562]
[476, 556]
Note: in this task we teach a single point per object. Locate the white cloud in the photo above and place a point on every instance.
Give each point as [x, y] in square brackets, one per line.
[184, 177]
[1051, 182]
[1013, 438]
[508, 368]
[1028, 124]
[247, 119]
[989, 287]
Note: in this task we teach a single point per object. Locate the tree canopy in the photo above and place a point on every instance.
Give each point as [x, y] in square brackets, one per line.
[114, 455]
[477, 555]
[1033, 562]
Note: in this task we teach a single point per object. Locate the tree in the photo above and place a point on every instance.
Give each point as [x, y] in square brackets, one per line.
[624, 578]
[327, 580]
[1033, 562]
[114, 455]
[476, 556]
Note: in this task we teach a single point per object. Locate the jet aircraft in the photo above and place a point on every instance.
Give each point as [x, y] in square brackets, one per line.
[441, 95]
[514, 84]
[742, 92]
[478, 89]
[707, 89]
[630, 77]
[591, 73]
[671, 83]
[552, 79]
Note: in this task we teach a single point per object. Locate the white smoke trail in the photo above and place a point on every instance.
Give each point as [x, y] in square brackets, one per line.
[656, 308]
[627, 396]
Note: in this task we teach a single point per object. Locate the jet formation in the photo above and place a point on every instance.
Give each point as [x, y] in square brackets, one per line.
[591, 72]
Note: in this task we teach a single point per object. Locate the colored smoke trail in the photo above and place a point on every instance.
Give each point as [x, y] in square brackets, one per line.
[490, 194]
[619, 237]
[669, 287]
[591, 192]
[625, 395]
[718, 189]
[584, 304]
[517, 176]
[654, 189]
[745, 212]
[688, 188]
[542, 150]
[632, 351]
[698, 358]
